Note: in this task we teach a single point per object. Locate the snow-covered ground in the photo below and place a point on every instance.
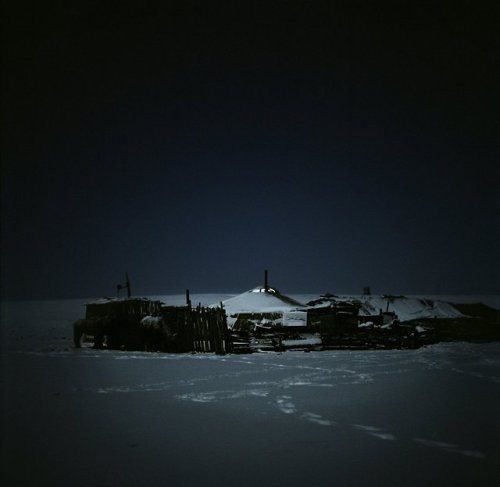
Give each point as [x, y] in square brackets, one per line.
[426, 417]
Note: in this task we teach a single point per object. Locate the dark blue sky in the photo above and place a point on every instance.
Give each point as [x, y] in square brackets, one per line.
[338, 144]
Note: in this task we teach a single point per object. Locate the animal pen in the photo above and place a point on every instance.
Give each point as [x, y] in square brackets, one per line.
[143, 324]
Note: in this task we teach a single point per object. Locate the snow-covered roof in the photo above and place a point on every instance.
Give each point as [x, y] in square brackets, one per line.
[406, 308]
[270, 300]
[260, 300]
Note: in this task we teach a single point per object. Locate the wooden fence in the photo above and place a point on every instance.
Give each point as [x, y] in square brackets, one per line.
[198, 329]
[117, 323]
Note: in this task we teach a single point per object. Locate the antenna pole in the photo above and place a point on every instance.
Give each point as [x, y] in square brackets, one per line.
[119, 287]
[266, 283]
[129, 291]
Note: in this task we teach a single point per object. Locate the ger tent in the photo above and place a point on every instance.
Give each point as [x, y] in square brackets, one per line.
[264, 305]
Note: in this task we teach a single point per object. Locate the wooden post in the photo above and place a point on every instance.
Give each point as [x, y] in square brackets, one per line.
[187, 324]
[266, 284]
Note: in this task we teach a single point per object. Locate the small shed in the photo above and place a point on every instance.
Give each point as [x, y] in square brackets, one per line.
[331, 315]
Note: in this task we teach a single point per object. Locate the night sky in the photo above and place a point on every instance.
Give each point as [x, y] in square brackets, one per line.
[337, 144]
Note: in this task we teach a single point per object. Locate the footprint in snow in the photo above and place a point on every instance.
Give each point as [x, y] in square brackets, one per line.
[316, 418]
[285, 405]
[449, 447]
[376, 432]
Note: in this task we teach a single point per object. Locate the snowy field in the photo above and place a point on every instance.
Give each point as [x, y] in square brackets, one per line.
[427, 417]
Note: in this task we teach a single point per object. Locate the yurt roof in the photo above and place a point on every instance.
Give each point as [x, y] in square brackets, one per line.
[260, 300]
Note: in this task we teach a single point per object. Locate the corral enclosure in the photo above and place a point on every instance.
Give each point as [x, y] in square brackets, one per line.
[144, 324]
